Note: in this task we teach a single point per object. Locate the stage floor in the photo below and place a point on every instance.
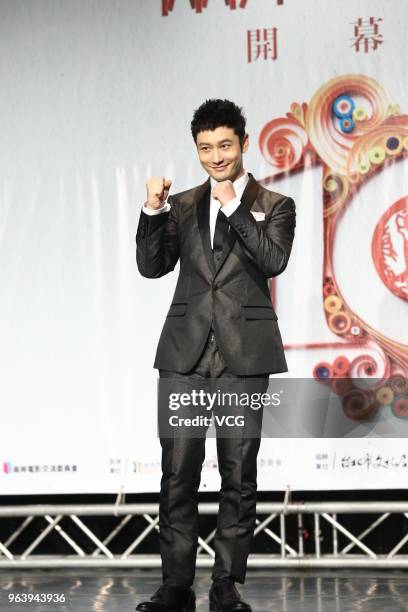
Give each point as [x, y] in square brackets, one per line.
[99, 590]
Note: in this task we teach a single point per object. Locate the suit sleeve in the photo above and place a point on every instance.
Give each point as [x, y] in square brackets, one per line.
[157, 243]
[268, 246]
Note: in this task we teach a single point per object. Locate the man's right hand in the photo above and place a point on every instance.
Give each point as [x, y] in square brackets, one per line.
[157, 191]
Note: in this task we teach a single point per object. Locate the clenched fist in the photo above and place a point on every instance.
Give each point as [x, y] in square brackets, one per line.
[224, 192]
[157, 191]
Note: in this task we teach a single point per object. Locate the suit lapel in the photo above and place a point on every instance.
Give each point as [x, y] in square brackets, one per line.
[203, 218]
[247, 199]
[250, 192]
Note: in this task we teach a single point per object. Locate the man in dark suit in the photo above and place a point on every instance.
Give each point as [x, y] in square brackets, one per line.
[230, 235]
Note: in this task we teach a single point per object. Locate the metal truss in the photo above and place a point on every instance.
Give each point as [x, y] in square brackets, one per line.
[339, 548]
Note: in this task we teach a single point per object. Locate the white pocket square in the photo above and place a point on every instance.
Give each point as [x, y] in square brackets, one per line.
[258, 216]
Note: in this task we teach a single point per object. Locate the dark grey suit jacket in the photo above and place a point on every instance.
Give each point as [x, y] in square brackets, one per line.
[231, 294]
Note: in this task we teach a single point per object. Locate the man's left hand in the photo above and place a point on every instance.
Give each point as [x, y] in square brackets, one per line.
[224, 192]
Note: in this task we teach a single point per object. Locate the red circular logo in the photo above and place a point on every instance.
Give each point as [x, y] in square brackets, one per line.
[389, 248]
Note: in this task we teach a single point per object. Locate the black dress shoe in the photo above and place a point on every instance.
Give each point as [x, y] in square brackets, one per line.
[225, 596]
[169, 598]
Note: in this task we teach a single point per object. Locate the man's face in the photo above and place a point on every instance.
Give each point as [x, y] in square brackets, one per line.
[220, 153]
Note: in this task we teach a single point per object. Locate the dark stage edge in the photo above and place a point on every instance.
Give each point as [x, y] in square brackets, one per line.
[119, 590]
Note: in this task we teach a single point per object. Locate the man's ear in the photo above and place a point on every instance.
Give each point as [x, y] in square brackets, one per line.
[245, 143]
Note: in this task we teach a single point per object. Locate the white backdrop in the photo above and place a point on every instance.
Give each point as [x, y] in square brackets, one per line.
[97, 96]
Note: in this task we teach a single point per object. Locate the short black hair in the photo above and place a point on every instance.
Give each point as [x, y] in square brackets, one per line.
[215, 113]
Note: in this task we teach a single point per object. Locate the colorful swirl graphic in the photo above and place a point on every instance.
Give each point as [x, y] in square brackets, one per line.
[324, 127]
[282, 143]
[352, 129]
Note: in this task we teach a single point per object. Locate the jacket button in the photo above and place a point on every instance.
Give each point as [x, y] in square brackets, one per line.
[216, 286]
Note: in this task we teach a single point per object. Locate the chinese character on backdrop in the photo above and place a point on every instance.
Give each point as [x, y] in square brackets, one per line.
[262, 43]
[196, 5]
[199, 5]
[233, 3]
[366, 34]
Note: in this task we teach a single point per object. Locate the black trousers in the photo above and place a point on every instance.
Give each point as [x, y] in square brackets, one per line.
[182, 460]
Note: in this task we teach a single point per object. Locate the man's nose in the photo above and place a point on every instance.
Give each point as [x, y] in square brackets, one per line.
[217, 156]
